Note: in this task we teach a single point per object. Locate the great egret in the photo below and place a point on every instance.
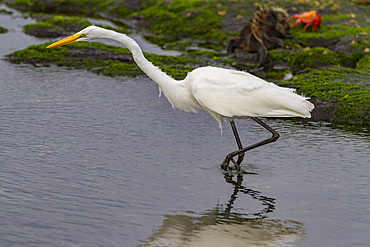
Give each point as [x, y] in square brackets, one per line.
[223, 93]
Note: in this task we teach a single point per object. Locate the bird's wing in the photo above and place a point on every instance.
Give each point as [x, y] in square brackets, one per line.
[238, 94]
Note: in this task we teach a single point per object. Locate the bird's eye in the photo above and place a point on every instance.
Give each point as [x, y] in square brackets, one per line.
[82, 35]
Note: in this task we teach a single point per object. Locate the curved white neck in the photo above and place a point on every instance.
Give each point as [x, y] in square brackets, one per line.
[147, 67]
[177, 92]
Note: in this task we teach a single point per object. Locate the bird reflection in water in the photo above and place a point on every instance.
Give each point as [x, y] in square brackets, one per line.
[222, 227]
[268, 203]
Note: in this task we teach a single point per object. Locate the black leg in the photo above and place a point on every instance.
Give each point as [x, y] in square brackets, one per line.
[241, 151]
[238, 142]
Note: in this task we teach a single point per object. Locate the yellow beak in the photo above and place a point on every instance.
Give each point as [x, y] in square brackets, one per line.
[65, 41]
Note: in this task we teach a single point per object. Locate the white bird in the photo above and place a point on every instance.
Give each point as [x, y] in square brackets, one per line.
[225, 94]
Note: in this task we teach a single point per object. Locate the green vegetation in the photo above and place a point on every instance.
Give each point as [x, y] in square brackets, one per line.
[326, 32]
[349, 96]
[176, 19]
[173, 20]
[333, 32]
[3, 29]
[111, 63]
[4, 11]
[70, 7]
[56, 26]
[39, 54]
[361, 44]
[43, 29]
[69, 24]
[316, 57]
[364, 63]
[181, 19]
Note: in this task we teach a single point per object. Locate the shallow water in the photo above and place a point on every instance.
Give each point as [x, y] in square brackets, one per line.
[90, 160]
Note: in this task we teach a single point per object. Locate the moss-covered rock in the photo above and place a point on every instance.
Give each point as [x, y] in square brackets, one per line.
[5, 12]
[99, 58]
[198, 19]
[212, 22]
[44, 30]
[69, 24]
[70, 7]
[364, 63]
[340, 94]
[317, 57]
[181, 19]
[57, 26]
[314, 58]
[3, 29]
[327, 35]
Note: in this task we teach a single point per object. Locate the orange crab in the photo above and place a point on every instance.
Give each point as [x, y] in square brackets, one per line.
[308, 18]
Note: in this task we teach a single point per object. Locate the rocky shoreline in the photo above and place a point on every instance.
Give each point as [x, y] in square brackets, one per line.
[332, 65]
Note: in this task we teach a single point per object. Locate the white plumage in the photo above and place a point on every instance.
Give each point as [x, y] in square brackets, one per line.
[226, 93]
[223, 93]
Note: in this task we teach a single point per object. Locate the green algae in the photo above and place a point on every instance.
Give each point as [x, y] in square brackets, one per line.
[283, 55]
[277, 75]
[39, 54]
[109, 68]
[333, 32]
[56, 26]
[316, 57]
[364, 63]
[196, 19]
[349, 96]
[177, 67]
[335, 17]
[3, 29]
[170, 22]
[39, 30]
[70, 24]
[326, 32]
[181, 19]
[177, 18]
[70, 7]
[323, 77]
[361, 44]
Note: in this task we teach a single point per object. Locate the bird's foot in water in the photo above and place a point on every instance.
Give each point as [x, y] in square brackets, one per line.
[225, 165]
